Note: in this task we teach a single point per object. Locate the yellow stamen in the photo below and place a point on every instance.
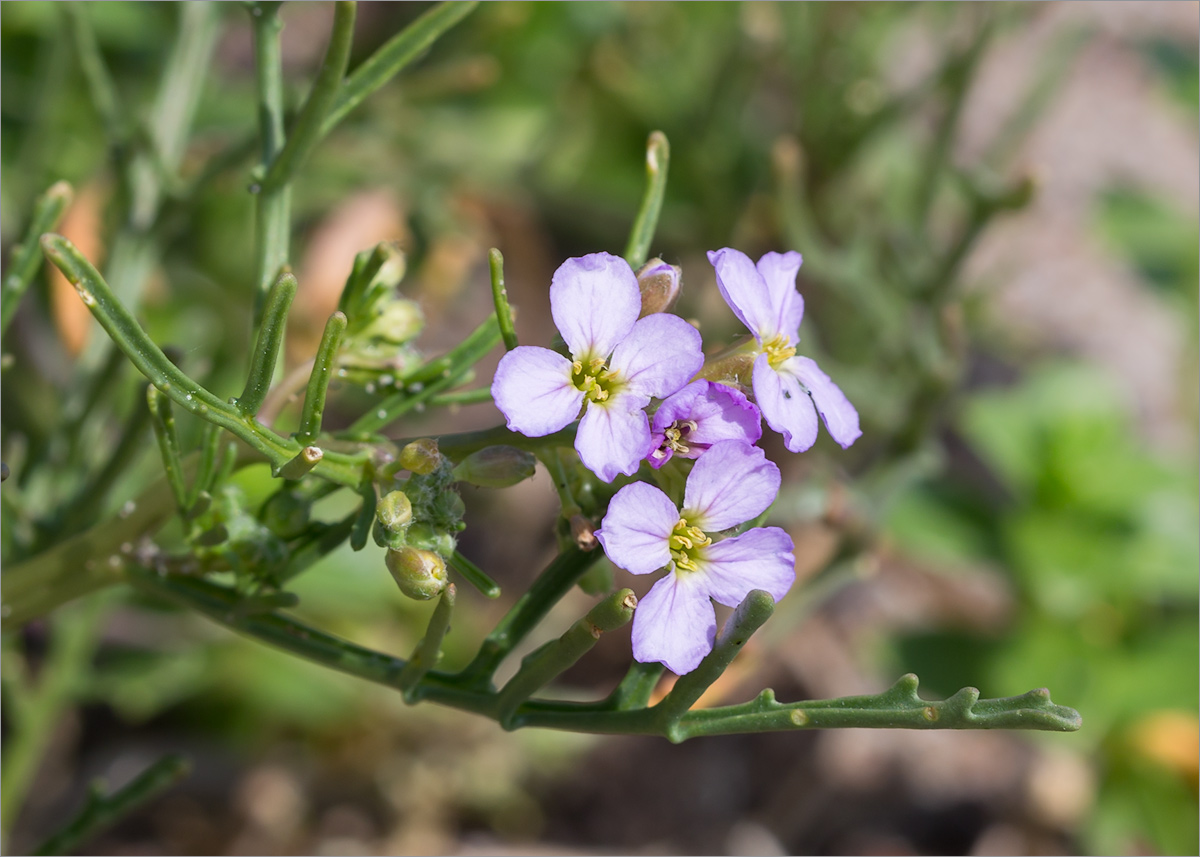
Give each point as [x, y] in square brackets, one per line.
[778, 350]
[685, 542]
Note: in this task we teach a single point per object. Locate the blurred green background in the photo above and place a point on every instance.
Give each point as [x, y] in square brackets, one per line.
[997, 205]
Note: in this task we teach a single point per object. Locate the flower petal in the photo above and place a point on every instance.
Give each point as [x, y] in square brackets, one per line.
[779, 271]
[595, 301]
[533, 389]
[731, 483]
[785, 405]
[841, 419]
[637, 529]
[659, 356]
[675, 624]
[613, 438]
[761, 558]
[723, 413]
[743, 288]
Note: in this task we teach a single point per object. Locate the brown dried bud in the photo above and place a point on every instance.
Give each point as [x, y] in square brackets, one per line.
[659, 284]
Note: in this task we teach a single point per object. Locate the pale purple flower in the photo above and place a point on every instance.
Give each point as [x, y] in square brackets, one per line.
[699, 415]
[618, 364]
[789, 389]
[675, 623]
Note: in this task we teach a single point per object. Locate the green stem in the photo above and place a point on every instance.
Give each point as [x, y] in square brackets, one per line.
[27, 256]
[462, 397]
[500, 298]
[100, 812]
[163, 420]
[266, 349]
[636, 687]
[898, 708]
[309, 126]
[658, 156]
[35, 711]
[95, 73]
[553, 583]
[425, 657]
[755, 609]
[398, 52]
[545, 664]
[436, 376]
[318, 382]
[474, 575]
[124, 330]
[273, 209]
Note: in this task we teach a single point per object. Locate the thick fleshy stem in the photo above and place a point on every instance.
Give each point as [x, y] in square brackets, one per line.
[500, 298]
[266, 349]
[425, 657]
[272, 211]
[365, 518]
[552, 584]
[162, 418]
[392, 57]
[636, 687]
[27, 256]
[545, 664]
[899, 707]
[308, 128]
[318, 382]
[658, 156]
[101, 811]
[149, 359]
[755, 609]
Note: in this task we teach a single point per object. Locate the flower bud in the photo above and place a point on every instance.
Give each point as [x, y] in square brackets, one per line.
[394, 511]
[396, 322]
[496, 467]
[428, 537]
[659, 284]
[421, 456]
[420, 574]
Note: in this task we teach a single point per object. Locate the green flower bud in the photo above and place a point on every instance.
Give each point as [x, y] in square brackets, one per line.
[395, 322]
[659, 284]
[420, 574]
[421, 456]
[394, 511]
[496, 467]
[427, 537]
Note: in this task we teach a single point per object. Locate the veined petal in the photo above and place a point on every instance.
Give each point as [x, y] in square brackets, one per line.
[533, 389]
[761, 558]
[743, 288]
[731, 483]
[613, 438]
[678, 406]
[675, 624]
[841, 419]
[779, 271]
[723, 413]
[785, 405]
[659, 356]
[636, 531]
[595, 301]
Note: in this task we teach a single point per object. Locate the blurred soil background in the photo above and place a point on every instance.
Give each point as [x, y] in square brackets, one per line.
[1051, 541]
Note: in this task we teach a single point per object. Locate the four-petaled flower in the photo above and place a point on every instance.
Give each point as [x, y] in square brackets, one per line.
[699, 415]
[618, 364]
[675, 623]
[786, 386]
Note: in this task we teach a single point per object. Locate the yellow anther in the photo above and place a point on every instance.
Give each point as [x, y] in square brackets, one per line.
[684, 542]
[593, 379]
[778, 350]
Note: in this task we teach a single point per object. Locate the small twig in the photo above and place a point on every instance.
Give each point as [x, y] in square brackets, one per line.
[100, 812]
[658, 155]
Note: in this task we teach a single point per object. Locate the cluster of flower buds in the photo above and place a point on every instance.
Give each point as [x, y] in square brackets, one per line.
[419, 521]
[377, 347]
